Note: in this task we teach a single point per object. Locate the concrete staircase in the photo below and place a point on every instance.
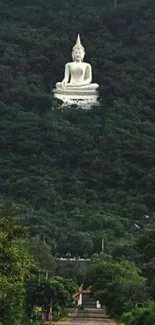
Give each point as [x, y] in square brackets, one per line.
[92, 313]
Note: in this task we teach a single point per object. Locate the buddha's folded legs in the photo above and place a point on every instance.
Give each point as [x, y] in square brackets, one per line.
[59, 85]
[92, 86]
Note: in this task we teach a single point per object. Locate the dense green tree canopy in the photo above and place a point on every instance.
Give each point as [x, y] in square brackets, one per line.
[73, 175]
[118, 285]
[56, 293]
[15, 263]
[142, 316]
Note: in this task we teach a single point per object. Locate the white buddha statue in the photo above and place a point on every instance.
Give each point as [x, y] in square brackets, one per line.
[77, 82]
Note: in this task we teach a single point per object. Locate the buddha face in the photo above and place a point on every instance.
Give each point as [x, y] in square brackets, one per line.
[78, 54]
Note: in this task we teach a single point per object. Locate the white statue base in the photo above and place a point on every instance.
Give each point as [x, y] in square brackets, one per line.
[84, 99]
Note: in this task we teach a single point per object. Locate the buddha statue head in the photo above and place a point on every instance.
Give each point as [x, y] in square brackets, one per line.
[78, 51]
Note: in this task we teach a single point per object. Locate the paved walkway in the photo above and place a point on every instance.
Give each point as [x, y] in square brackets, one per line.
[88, 317]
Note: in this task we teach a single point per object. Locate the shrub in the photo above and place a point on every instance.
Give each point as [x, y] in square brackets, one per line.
[141, 316]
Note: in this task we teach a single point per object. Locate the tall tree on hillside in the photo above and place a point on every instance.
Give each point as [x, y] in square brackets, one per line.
[119, 285]
[14, 267]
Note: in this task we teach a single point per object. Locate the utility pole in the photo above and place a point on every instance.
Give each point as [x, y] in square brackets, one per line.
[46, 275]
[115, 3]
[102, 247]
[44, 239]
[49, 313]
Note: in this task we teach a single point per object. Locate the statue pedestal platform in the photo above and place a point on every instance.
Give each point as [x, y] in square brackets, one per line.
[83, 99]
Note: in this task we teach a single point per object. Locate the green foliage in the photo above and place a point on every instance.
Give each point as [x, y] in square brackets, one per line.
[56, 292]
[118, 285]
[146, 245]
[73, 175]
[141, 316]
[14, 268]
[41, 253]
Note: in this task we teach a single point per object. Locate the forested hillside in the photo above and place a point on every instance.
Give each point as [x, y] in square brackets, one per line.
[74, 175]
